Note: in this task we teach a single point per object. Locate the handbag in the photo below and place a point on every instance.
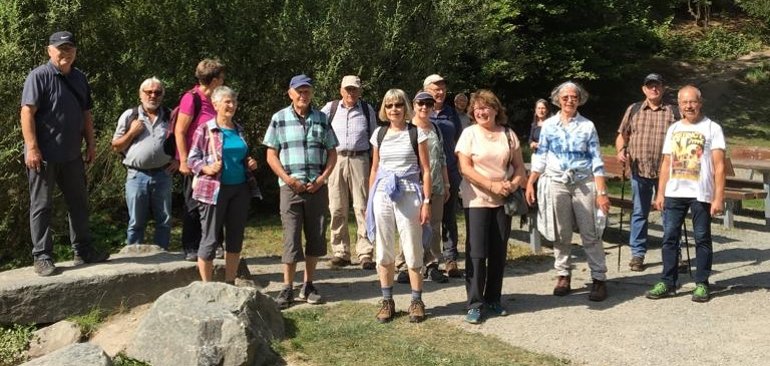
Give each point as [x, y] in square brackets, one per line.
[515, 204]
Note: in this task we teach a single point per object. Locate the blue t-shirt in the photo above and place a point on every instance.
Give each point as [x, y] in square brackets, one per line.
[233, 152]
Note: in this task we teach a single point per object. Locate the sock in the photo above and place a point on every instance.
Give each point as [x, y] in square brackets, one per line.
[387, 293]
[416, 295]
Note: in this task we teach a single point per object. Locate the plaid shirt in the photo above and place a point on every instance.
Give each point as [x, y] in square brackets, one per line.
[302, 145]
[206, 148]
[644, 135]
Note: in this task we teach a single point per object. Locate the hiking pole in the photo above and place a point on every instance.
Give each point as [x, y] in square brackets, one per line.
[622, 198]
[686, 247]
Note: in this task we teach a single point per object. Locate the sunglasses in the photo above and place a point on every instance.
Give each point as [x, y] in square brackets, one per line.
[152, 92]
[392, 105]
[423, 103]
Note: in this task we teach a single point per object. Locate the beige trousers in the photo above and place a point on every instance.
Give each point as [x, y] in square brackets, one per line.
[350, 179]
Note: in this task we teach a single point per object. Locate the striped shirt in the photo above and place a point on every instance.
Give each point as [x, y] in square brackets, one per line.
[397, 154]
[350, 126]
[302, 143]
[644, 134]
[572, 149]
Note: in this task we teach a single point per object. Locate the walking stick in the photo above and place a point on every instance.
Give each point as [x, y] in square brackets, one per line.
[622, 198]
[686, 247]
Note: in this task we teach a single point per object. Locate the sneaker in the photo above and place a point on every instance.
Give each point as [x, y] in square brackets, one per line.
[339, 262]
[90, 256]
[367, 264]
[309, 294]
[285, 298]
[562, 286]
[636, 264]
[44, 267]
[435, 275]
[219, 253]
[497, 309]
[598, 291]
[402, 276]
[659, 291]
[416, 311]
[451, 269]
[701, 293]
[473, 316]
[387, 311]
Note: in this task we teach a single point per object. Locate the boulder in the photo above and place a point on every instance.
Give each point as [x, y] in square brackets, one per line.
[209, 324]
[126, 280]
[54, 337]
[78, 354]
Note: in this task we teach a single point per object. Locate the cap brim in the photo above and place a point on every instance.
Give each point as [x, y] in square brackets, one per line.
[59, 43]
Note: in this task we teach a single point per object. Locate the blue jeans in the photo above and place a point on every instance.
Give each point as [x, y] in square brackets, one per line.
[145, 191]
[642, 191]
[675, 212]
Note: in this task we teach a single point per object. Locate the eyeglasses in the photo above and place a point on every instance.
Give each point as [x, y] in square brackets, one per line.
[351, 89]
[392, 105]
[482, 108]
[569, 97]
[424, 103]
[152, 92]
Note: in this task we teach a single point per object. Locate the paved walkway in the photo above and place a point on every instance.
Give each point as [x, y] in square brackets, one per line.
[627, 329]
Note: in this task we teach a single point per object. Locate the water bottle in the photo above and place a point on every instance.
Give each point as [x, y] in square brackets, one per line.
[601, 222]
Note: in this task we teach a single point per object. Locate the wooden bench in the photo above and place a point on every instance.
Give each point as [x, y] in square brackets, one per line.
[756, 159]
[737, 190]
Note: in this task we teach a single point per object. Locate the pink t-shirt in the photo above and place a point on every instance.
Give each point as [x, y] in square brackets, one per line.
[490, 156]
[187, 107]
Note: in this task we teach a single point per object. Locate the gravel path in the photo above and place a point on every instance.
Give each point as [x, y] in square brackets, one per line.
[626, 329]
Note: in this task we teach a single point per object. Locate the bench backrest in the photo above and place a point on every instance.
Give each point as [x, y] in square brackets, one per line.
[614, 168]
[750, 152]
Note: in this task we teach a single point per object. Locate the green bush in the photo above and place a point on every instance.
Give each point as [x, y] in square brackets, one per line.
[758, 74]
[723, 44]
[14, 342]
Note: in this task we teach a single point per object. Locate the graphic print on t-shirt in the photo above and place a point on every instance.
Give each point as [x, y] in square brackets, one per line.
[686, 155]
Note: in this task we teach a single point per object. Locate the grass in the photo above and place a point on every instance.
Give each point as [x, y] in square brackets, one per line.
[14, 341]
[89, 322]
[355, 336]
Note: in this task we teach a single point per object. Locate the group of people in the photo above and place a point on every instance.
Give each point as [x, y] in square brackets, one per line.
[404, 177]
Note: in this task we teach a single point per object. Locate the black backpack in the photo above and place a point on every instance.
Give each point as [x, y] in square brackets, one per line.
[135, 115]
[364, 106]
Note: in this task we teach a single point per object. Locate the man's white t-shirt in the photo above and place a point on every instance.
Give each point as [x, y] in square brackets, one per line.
[692, 170]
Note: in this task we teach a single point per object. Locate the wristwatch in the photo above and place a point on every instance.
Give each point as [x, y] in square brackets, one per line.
[426, 201]
[602, 193]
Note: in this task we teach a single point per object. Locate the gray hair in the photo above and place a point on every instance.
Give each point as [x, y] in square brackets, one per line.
[222, 92]
[152, 81]
[693, 87]
[396, 96]
[582, 93]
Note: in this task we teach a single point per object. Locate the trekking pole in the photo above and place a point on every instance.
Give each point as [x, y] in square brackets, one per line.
[686, 247]
[622, 198]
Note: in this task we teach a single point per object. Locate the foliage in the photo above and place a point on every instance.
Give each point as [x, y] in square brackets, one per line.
[756, 8]
[89, 322]
[351, 327]
[14, 342]
[122, 360]
[720, 43]
[758, 74]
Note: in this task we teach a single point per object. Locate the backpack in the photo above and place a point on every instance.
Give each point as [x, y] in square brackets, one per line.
[412, 137]
[364, 106]
[135, 115]
[169, 145]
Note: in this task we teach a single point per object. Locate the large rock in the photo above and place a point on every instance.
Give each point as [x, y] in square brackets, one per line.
[127, 280]
[209, 324]
[78, 354]
[54, 337]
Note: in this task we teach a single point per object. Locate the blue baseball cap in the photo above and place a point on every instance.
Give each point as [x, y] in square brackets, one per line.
[424, 96]
[300, 80]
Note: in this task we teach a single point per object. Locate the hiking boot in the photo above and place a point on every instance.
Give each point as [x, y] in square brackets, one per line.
[402, 276]
[285, 298]
[219, 253]
[90, 256]
[497, 309]
[598, 291]
[367, 264]
[339, 262]
[562, 286]
[44, 267]
[387, 311]
[636, 264]
[450, 267]
[310, 294]
[416, 311]
[435, 275]
[473, 316]
[191, 257]
[701, 293]
[659, 291]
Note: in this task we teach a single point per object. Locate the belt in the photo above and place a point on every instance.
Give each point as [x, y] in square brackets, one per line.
[147, 171]
[352, 153]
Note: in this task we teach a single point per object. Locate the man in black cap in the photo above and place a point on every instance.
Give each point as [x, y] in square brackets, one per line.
[639, 145]
[55, 118]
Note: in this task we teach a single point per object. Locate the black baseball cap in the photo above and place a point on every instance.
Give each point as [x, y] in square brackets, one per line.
[653, 78]
[59, 38]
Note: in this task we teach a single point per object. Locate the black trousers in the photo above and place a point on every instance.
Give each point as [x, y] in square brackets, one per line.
[488, 231]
